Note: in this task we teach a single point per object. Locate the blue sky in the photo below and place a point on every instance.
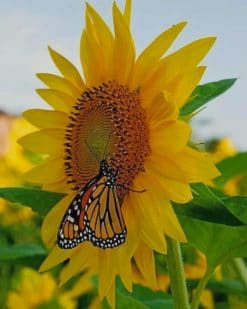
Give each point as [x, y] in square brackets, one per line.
[27, 27]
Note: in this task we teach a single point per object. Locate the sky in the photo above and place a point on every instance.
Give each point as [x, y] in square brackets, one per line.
[27, 27]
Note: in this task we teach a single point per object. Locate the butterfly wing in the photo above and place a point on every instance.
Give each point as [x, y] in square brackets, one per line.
[103, 217]
[95, 215]
[72, 230]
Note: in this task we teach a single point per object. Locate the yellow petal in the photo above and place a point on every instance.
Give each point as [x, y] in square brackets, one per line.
[50, 170]
[183, 86]
[169, 137]
[53, 219]
[67, 69]
[173, 227]
[152, 53]
[46, 119]
[91, 60]
[152, 242]
[165, 167]
[197, 166]
[152, 227]
[161, 110]
[176, 191]
[124, 51]
[107, 271]
[82, 286]
[150, 202]
[133, 227]
[181, 61]
[47, 141]
[106, 42]
[58, 100]
[160, 209]
[127, 11]
[111, 295]
[55, 257]
[125, 271]
[59, 83]
[126, 251]
[163, 189]
[78, 262]
[144, 259]
[187, 57]
[59, 186]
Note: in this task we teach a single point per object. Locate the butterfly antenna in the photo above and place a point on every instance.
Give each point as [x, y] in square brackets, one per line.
[92, 151]
[132, 190]
[107, 144]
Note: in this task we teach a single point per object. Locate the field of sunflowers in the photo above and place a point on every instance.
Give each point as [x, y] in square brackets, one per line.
[107, 199]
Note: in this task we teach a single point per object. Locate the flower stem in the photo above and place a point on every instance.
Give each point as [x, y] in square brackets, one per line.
[176, 272]
[199, 289]
[240, 268]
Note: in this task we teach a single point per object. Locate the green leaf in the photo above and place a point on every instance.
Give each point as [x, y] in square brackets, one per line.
[218, 242]
[39, 200]
[237, 205]
[50, 304]
[124, 301]
[142, 297]
[231, 167]
[206, 205]
[18, 251]
[205, 93]
[227, 286]
[202, 194]
[224, 286]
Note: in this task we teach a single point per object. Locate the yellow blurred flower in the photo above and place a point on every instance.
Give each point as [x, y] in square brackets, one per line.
[11, 214]
[231, 187]
[11, 153]
[5, 124]
[223, 148]
[12, 164]
[192, 271]
[109, 135]
[14, 155]
[237, 302]
[198, 268]
[220, 150]
[196, 271]
[35, 289]
[207, 299]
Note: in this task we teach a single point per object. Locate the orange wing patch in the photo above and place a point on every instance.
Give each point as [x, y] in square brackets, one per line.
[94, 214]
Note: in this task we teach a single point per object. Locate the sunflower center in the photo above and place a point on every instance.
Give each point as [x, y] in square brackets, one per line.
[109, 123]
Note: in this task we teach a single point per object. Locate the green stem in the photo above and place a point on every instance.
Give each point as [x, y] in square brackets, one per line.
[241, 270]
[199, 289]
[176, 272]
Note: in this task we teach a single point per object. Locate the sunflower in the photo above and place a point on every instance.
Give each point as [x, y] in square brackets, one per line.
[13, 164]
[123, 112]
[35, 290]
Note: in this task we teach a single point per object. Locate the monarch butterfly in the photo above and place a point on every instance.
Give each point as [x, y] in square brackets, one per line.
[94, 214]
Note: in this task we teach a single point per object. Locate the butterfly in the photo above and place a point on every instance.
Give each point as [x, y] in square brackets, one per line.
[94, 214]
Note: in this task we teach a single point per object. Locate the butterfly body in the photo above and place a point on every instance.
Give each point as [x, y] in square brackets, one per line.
[94, 214]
